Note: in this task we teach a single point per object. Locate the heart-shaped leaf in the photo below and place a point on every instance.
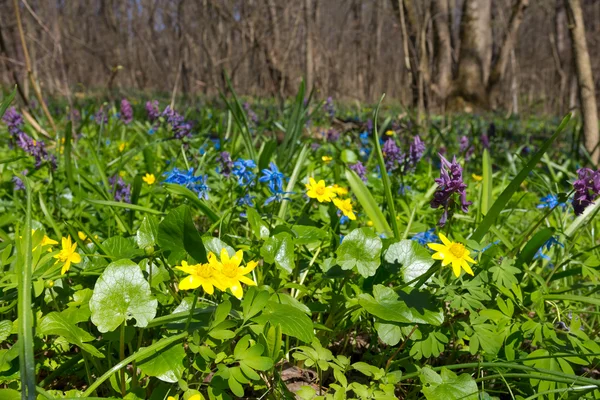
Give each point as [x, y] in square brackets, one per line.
[121, 293]
[360, 249]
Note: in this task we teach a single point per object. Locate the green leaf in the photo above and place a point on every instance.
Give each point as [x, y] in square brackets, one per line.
[9, 394]
[360, 249]
[432, 345]
[165, 364]
[215, 245]
[259, 227]
[414, 258]
[6, 102]
[410, 308]
[147, 234]
[193, 198]
[308, 234]
[178, 236]
[504, 274]
[514, 185]
[252, 356]
[447, 386]
[120, 204]
[368, 203]
[254, 301]
[293, 321]
[118, 248]
[121, 293]
[55, 324]
[279, 249]
[390, 334]
[5, 329]
[533, 245]
[487, 184]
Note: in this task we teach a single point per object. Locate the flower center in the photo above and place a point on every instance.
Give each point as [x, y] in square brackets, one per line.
[229, 270]
[457, 249]
[63, 256]
[204, 271]
[320, 190]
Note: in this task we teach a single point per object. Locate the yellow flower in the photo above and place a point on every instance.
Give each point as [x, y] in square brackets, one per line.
[326, 159]
[452, 253]
[345, 207]
[230, 274]
[340, 191]
[200, 275]
[46, 241]
[370, 223]
[149, 179]
[389, 133]
[477, 177]
[193, 397]
[82, 236]
[318, 190]
[122, 146]
[122, 174]
[67, 255]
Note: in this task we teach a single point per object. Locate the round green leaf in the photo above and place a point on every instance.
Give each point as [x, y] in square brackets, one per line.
[360, 249]
[120, 294]
[166, 364]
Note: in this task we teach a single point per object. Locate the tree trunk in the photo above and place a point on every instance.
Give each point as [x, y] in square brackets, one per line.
[499, 68]
[308, 45]
[475, 54]
[583, 69]
[442, 43]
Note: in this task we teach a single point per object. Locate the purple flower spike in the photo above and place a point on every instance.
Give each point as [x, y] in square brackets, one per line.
[360, 170]
[14, 121]
[126, 112]
[122, 191]
[416, 151]
[449, 183]
[152, 110]
[587, 188]
[392, 155]
[225, 163]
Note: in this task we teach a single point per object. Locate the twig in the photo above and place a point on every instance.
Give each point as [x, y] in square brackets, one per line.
[389, 361]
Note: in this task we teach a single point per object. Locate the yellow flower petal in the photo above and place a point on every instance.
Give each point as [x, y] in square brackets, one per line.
[190, 282]
[445, 239]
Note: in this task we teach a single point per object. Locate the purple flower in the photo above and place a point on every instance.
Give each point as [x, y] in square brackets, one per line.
[101, 117]
[329, 107]
[360, 170]
[225, 163]
[121, 191]
[152, 110]
[126, 112]
[449, 183]
[485, 141]
[416, 151]
[332, 135]
[179, 126]
[586, 188]
[466, 148]
[19, 184]
[13, 120]
[252, 117]
[36, 148]
[392, 155]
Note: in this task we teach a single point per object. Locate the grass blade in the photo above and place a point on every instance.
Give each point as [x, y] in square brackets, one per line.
[25, 328]
[487, 184]
[293, 180]
[514, 185]
[368, 203]
[387, 187]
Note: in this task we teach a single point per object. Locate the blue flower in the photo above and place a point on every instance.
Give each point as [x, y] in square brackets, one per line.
[202, 149]
[551, 201]
[428, 236]
[216, 143]
[547, 246]
[343, 219]
[273, 177]
[151, 131]
[196, 184]
[277, 197]
[247, 200]
[243, 170]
